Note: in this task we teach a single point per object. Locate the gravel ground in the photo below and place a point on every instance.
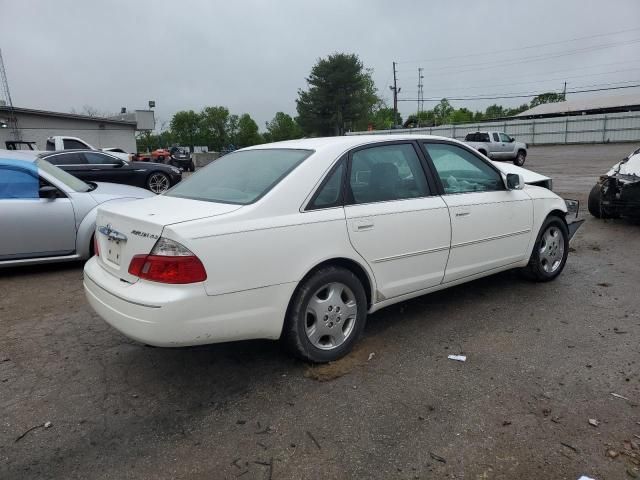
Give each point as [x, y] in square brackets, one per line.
[542, 359]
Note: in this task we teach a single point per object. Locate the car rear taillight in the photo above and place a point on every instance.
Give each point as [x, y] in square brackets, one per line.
[168, 262]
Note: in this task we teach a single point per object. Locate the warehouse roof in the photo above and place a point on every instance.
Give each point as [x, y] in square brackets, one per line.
[45, 113]
[600, 104]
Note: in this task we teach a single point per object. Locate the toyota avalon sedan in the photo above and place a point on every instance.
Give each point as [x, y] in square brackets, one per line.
[300, 240]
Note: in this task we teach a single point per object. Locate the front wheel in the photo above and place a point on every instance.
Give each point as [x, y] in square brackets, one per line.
[520, 158]
[550, 251]
[326, 316]
[158, 182]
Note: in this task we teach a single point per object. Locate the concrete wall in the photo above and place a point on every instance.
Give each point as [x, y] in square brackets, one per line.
[600, 128]
[99, 134]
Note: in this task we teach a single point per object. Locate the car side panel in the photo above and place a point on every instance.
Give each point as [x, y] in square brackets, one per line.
[267, 251]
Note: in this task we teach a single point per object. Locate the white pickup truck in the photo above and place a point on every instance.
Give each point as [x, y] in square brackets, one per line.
[498, 146]
[60, 142]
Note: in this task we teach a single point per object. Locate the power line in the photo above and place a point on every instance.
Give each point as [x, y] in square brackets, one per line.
[496, 97]
[534, 58]
[522, 48]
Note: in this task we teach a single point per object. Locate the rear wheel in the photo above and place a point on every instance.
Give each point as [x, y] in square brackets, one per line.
[326, 316]
[158, 182]
[550, 251]
[520, 158]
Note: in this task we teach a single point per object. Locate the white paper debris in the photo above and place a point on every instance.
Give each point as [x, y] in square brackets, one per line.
[47, 424]
[459, 358]
[371, 355]
[584, 477]
[594, 422]
[617, 395]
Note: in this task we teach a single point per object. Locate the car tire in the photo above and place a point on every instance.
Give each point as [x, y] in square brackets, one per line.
[158, 182]
[326, 315]
[520, 158]
[593, 203]
[192, 167]
[550, 251]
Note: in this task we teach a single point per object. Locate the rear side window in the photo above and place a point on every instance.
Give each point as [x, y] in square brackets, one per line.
[70, 144]
[17, 184]
[386, 172]
[330, 194]
[66, 159]
[495, 137]
[240, 177]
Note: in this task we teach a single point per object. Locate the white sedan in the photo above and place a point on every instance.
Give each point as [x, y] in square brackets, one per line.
[300, 240]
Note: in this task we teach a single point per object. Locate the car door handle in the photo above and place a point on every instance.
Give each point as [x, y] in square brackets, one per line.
[95, 169]
[463, 213]
[363, 225]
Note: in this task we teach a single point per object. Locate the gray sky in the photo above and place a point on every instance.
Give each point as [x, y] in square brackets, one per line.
[253, 56]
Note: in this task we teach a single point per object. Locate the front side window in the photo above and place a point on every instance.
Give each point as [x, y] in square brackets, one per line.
[16, 183]
[240, 177]
[386, 172]
[460, 171]
[100, 159]
[505, 138]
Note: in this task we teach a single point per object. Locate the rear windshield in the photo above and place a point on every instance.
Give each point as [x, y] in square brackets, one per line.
[477, 137]
[240, 177]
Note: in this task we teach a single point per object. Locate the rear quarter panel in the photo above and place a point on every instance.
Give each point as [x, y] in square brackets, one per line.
[242, 255]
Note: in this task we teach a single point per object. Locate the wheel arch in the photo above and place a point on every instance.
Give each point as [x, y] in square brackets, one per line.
[365, 277]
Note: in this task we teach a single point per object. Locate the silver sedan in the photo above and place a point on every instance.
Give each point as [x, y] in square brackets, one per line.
[49, 215]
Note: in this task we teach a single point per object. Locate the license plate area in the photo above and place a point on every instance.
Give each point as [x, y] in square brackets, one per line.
[114, 250]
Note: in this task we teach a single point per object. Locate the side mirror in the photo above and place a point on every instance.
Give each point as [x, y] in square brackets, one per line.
[515, 181]
[511, 139]
[48, 191]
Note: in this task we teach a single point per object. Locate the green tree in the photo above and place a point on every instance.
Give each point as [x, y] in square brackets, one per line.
[282, 127]
[549, 97]
[341, 93]
[494, 111]
[443, 112]
[215, 127]
[382, 118]
[510, 112]
[247, 133]
[461, 115]
[185, 127]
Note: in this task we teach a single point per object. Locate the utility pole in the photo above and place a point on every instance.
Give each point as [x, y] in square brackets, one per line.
[420, 93]
[5, 91]
[396, 91]
[564, 91]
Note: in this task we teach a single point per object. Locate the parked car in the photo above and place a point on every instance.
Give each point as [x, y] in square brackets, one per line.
[617, 193]
[48, 215]
[498, 146]
[159, 155]
[181, 157]
[60, 142]
[300, 240]
[90, 165]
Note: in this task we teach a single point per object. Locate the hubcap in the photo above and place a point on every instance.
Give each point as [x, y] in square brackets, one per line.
[331, 316]
[551, 249]
[158, 183]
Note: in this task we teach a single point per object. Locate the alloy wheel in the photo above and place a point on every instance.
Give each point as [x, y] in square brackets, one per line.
[551, 249]
[158, 183]
[331, 316]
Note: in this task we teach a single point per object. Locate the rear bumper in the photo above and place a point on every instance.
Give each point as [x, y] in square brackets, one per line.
[183, 315]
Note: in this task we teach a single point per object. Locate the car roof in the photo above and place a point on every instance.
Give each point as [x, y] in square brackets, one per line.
[346, 141]
[69, 150]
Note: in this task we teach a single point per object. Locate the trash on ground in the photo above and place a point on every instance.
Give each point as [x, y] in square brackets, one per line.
[437, 457]
[612, 453]
[371, 355]
[584, 477]
[47, 424]
[459, 358]
[617, 395]
[593, 422]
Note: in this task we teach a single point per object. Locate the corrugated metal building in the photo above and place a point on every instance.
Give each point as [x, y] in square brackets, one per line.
[38, 125]
[585, 106]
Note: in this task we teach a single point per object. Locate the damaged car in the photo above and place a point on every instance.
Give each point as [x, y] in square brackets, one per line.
[617, 193]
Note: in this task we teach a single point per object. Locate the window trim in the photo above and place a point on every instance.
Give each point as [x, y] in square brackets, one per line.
[348, 194]
[434, 172]
[57, 154]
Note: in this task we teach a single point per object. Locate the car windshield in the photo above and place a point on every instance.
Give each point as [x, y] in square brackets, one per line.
[69, 180]
[240, 177]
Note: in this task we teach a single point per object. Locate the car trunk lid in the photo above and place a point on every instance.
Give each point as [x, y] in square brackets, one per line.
[127, 229]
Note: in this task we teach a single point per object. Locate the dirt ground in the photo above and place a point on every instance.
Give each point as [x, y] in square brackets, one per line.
[542, 359]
